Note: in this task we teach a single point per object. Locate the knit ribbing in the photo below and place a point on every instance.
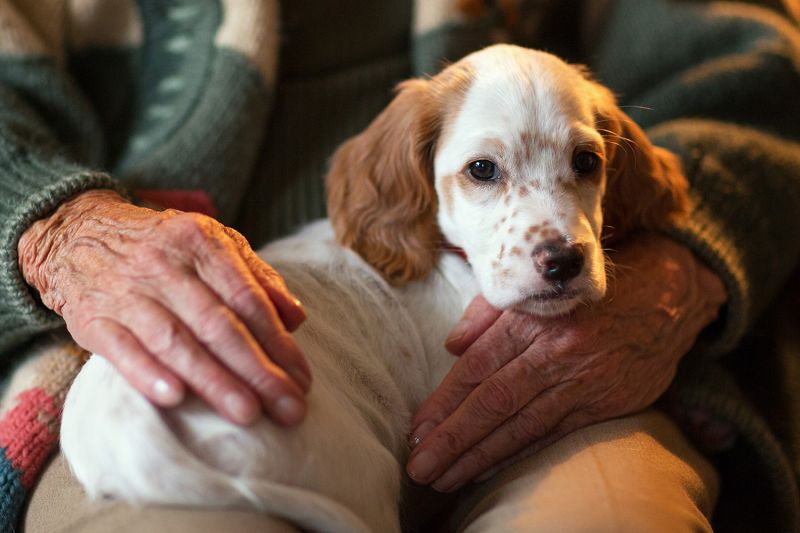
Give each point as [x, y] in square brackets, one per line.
[32, 189]
[288, 189]
[36, 191]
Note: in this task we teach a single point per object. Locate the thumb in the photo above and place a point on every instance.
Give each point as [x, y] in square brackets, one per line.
[478, 317]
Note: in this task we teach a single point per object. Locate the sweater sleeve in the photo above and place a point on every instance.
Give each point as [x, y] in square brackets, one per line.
[718, 84]
[50, 146]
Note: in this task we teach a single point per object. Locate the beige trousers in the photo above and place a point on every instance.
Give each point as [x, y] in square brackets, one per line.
[635, 474]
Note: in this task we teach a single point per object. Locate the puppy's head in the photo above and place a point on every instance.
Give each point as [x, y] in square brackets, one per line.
[517, 158]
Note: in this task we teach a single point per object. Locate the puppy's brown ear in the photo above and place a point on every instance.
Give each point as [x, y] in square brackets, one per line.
[646, 187]
[381, 197]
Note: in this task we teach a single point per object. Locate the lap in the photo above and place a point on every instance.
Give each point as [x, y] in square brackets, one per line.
[632, 474]
[59, 505]
[636, 474]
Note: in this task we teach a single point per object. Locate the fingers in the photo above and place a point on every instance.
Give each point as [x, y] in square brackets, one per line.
[235, 285]
[277, 303]
[507, 338]
[539, 420]
[174, 345]
[510, 397]
[478, 317]
[117, 344]
[289, 308]
[217, 326]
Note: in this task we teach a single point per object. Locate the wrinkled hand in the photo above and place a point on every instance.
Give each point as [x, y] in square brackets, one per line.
[173, 300]
[523, 382]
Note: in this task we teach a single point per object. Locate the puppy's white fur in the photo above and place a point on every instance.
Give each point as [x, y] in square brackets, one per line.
[374, 358]
[375, 348]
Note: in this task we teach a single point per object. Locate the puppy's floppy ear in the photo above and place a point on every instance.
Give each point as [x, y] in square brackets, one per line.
[646, 187]
[381, 197]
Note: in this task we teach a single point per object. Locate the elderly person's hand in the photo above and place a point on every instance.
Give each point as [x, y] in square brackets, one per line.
[523, 382]
[173, 300]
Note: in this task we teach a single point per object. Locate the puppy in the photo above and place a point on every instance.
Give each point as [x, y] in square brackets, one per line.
[514, 158]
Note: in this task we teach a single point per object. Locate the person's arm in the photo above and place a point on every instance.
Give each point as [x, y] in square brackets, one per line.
[716, 84]
[50, 150]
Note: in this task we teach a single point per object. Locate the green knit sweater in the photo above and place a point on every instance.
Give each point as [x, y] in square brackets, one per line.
[244, 101]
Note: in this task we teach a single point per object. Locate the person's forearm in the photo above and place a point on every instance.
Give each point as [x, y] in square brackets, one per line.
[50, 150]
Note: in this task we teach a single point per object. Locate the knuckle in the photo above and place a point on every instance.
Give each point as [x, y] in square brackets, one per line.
[210, 382]
[477, 366]
[437, 406]
[215, 323]
[452, 443]
[190, 226]
[245, 301]
[496, 400]
[266, 383]
[527, 425]
[115, 338]
[534, 373]
[166, 337]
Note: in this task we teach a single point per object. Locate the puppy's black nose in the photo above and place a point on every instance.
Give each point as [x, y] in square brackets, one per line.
[557, 261]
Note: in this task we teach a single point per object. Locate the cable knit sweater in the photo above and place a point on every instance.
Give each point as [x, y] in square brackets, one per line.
[232, 107]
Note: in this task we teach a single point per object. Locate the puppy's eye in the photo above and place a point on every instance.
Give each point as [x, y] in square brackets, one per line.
[483, 170]
[585, 162]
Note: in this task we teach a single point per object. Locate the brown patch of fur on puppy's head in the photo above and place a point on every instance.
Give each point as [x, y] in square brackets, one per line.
[381, 196]
[645, 184]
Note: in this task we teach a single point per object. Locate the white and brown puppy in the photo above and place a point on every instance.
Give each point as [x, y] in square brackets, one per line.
[513, 156]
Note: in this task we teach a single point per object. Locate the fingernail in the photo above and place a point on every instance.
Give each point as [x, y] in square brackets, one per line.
[422, 466]
[450, 481]
[167, 394]
[239, 408]
[299, 314]
[290, 410]
[419, 433]
[457, 333]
